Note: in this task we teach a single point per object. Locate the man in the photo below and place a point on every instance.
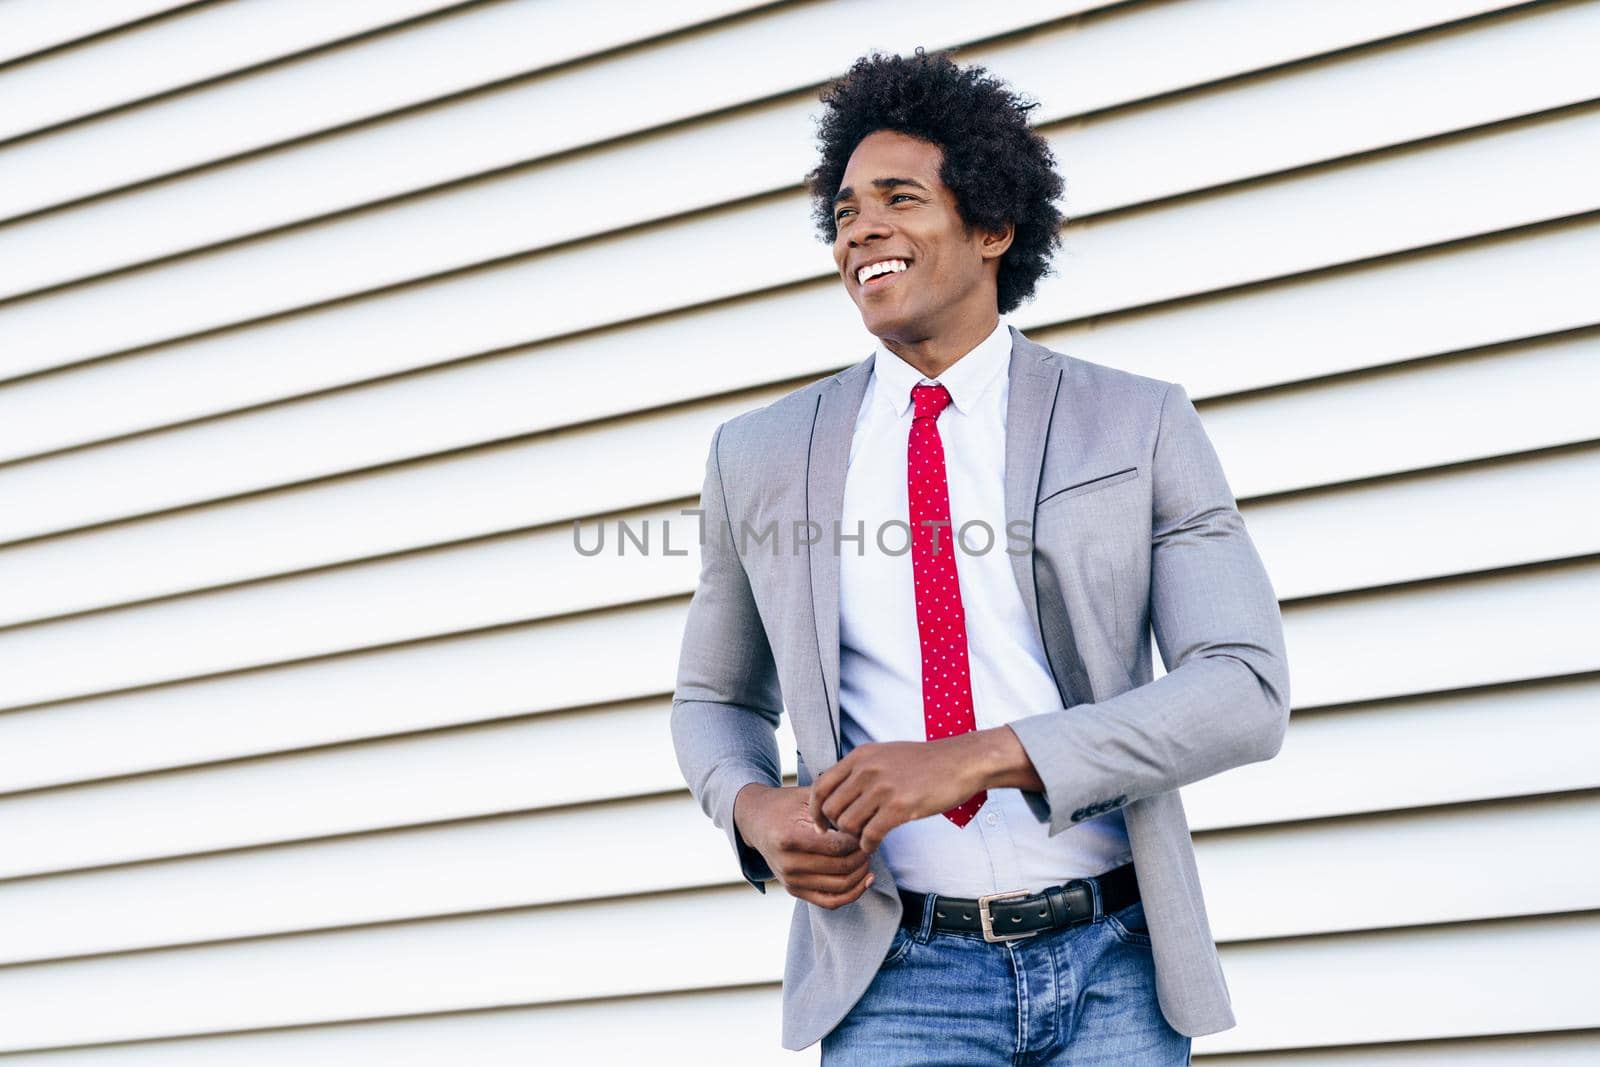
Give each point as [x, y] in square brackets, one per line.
[987, 848]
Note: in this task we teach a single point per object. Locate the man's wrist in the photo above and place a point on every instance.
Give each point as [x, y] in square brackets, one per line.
[748, 794]
[999, 761]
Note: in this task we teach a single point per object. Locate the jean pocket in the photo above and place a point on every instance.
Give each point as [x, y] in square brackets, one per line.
[899, 945]
[1128, 924]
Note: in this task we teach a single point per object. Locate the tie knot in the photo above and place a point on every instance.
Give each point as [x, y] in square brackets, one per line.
[929, 400]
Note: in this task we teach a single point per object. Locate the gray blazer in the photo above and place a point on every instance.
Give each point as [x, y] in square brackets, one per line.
[1134, 527]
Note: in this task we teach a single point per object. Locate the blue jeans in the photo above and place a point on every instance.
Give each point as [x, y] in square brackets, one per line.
[1078, 995]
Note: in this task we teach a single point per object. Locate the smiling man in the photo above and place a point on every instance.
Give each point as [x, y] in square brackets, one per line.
[946, 562]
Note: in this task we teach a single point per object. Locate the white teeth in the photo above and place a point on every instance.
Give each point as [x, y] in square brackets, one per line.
[874, 269]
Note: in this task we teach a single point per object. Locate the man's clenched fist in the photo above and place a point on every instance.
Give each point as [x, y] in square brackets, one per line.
[825, 867]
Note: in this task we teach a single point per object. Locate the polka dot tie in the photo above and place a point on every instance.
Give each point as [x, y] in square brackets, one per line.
[941, 622]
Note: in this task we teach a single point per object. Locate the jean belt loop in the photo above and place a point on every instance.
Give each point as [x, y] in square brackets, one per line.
[925, 929]
[1094, 896]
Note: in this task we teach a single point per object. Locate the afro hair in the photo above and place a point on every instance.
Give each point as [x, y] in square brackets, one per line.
[999, 169]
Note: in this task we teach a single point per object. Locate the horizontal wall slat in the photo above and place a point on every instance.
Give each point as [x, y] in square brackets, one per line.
[470, 487]
[212, 41]
[1268, 881]
[30, 26]
[1454, 520]
[500, 768]
[1460, 518]
[765, 148]
[524, 956]
[519, 860]
[468, 678]
[1385, 755]
[185, 637]
[149, 729]
[1515, 975]
[1483, 71]
[1313, 777]
[384, 601]
[1327, 769]
[1488, 977]
[1390, 202]
[1438, 863]
[1493, 290]
[1412, 417]
[39, 505]
[1447, 634]
[1498, 179]
[1420, 416]
[479, 46]
[1569, 1048]
[721, 1025]
[1359, 316]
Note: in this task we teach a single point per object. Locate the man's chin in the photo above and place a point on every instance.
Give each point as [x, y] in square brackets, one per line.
[879, 323]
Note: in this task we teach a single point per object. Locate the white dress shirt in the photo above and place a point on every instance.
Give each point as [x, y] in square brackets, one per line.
[880, 665]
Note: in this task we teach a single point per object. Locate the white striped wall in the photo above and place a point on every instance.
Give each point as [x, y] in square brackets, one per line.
[321, 324]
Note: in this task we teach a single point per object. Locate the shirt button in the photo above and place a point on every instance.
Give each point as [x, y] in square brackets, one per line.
[991, 818]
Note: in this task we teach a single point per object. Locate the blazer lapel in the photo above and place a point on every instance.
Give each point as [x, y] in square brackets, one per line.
[1033, 378]
[832, 430]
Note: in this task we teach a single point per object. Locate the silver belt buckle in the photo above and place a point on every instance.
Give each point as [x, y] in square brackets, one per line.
[987, 919]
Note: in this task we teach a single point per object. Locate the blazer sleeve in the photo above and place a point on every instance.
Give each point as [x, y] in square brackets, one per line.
[726, 703]
[1225, 699]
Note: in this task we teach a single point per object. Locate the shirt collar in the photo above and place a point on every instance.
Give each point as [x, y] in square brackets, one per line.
[966, 379]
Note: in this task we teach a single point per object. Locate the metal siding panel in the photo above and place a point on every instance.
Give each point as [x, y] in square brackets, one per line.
[308, 813]
[210, 42]
[28, 27]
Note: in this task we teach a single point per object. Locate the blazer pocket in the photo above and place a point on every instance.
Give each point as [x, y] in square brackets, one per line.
[1090, 486]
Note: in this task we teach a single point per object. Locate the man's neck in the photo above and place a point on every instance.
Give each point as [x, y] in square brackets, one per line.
[932, 356]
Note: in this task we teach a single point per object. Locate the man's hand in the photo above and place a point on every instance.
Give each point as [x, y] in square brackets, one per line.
[819, 865]
[880, 785]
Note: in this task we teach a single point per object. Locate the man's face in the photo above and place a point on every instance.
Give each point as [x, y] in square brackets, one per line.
[893, 205]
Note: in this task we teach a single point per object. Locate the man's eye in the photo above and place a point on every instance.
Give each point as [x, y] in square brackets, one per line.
[892, 199]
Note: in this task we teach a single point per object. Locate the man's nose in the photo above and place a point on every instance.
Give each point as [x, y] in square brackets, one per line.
[868, 227]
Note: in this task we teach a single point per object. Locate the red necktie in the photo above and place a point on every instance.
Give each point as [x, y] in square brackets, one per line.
[941, 623]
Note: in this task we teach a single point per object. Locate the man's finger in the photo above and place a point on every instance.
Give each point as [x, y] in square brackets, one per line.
[845, 844]
[827, 862]
[876, 830]
[829, 842]
[834, 900]
[849, 797]
[838, 843]
[823, 786]
[808, 877]
[819, 792]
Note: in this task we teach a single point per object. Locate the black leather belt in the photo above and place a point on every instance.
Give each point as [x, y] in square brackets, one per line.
[1008, 916]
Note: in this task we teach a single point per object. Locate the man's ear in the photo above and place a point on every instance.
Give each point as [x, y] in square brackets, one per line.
[995, 242]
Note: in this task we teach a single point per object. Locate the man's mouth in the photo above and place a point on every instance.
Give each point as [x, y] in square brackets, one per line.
[886, 275]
